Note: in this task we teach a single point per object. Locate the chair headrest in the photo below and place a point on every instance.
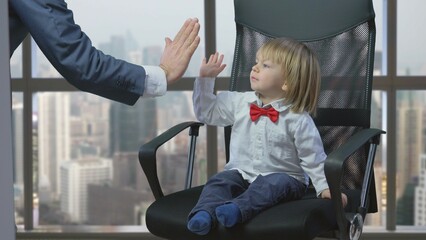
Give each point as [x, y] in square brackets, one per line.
[304, 20]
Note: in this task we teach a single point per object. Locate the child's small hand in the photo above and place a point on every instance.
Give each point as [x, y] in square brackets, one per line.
[326, 194]
[213, 66]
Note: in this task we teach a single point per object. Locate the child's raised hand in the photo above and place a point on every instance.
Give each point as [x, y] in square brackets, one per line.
[213, 66]
[326, 194]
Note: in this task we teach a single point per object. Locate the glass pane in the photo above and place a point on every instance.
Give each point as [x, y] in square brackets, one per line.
[411, 38]
[135, 34]
[225, 44]
[18, 155]
[41, 67]
[379, 59]
[378, 120]
[226, 33]
[410, 178]
[88, 165]
[16, 63]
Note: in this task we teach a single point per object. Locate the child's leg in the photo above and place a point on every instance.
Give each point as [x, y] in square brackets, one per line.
[219, 189]
[264, 192]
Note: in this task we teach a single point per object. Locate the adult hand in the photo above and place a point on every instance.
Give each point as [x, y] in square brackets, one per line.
[213, 66]
[326, 194]
[178, 53]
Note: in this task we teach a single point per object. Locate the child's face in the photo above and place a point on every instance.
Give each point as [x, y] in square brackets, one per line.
[267, 78]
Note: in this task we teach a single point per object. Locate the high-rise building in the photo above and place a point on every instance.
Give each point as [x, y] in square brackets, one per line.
[18, 145]
[131, 126]
[409, 137]
[76, 177]
[128, 173]
[18, 154]
[115, 47]
[89, 125]
[54, 136]
[124, 206]
[420, 195]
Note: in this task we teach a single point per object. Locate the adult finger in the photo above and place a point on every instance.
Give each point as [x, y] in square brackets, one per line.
[189, 51]
[168, 41]
[186, 32]
[189, 37]
[182, 29]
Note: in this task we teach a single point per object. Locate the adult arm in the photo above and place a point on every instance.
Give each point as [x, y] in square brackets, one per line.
[70, 51]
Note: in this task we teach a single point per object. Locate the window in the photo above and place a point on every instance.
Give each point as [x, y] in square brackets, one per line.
[18, 154]
[75, 139]
[410, 50]
[225, 45]
[135, 33]
[84, 146]
[16, 63]
[87, 156]
[225, 33]
[410, 151]
[380, 54]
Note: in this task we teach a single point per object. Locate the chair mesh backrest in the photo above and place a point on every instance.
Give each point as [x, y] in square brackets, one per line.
[346, 59]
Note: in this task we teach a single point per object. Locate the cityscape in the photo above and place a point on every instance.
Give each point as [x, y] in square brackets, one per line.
[85, 150]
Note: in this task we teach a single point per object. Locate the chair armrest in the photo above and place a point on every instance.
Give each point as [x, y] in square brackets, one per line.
[148, 154]
[333, 167]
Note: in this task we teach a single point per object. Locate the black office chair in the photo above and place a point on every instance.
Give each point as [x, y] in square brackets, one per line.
[342, 33]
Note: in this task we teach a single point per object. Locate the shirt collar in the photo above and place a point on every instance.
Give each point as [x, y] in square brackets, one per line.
[280, 105]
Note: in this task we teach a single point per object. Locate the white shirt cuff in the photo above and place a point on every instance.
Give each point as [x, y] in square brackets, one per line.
[155, 82]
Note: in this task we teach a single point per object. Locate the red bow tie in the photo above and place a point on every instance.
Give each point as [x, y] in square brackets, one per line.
[256, 112]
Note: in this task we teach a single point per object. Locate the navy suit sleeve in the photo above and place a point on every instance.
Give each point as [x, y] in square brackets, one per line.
[70, 51]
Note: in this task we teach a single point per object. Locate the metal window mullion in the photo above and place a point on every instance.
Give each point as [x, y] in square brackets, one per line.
[391, 44]
[210, 43]
[27, 134]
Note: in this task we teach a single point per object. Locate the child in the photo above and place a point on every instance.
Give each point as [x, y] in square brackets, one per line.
[275, 146]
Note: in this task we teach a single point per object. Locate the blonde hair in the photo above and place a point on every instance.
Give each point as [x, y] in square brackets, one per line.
[301, 72]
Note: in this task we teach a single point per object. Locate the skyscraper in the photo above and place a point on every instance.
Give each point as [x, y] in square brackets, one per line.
[54, 136]
[409, 135]
[18, 145]
[76, 176]
[131, 126]
[420, 195]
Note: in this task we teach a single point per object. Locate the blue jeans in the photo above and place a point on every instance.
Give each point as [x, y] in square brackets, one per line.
[264, 192]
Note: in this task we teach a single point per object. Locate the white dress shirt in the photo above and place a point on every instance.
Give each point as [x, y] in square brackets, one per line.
[155, 82]
[291, 145]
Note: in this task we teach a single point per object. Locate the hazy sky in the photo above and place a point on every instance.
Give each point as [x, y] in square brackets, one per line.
[150, 21]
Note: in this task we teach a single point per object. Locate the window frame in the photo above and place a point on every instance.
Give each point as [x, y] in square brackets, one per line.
[389, 83]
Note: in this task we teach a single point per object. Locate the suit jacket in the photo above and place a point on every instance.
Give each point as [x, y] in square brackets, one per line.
[70, 50]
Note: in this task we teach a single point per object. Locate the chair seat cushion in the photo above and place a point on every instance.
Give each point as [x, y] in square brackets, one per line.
[301, 219]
